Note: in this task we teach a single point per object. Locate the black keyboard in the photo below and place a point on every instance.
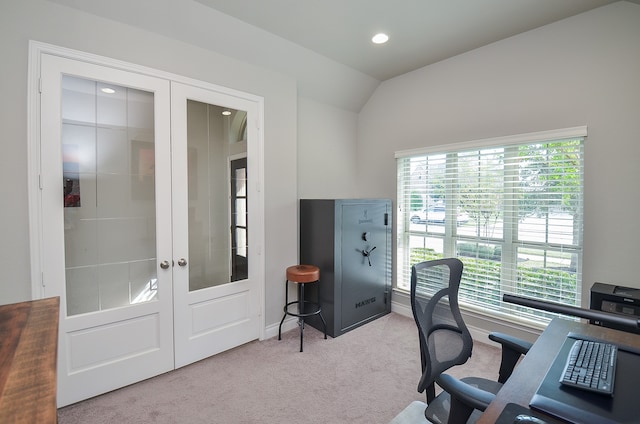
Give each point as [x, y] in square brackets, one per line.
[591, 366]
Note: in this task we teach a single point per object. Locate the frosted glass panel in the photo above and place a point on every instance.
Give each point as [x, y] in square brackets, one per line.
[108, 159]
[213, 133]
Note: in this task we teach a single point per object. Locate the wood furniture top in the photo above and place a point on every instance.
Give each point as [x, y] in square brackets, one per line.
[28, 361]
[528, 375]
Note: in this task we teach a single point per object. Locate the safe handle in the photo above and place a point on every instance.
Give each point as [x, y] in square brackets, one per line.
[367, 254]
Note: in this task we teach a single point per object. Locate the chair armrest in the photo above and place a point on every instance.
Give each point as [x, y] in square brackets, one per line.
[467, 394]
[511, 342]
[512, 349]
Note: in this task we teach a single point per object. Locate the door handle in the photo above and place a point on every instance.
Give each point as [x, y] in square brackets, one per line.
[182, 261]
[164, 264]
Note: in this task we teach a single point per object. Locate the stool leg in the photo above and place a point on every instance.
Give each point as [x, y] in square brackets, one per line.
[324, 323]
[280, 327]
[286, 300]
[300, 311]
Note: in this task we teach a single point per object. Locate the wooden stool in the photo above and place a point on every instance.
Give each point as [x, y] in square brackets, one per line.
[301, 275]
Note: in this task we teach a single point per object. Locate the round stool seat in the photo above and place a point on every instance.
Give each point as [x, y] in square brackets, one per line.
[303, 273]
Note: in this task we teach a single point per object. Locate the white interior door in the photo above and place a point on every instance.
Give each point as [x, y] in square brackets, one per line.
[217, 277]
[105, 210]
[154, 267]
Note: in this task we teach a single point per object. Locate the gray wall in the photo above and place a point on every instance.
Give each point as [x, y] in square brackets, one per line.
[326, 151]
[172, 36]
[584, 70]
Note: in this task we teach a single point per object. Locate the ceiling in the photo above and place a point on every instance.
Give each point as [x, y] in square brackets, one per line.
[421, 32]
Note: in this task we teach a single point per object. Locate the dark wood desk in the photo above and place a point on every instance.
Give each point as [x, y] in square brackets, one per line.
[28, 361]
[528, 375]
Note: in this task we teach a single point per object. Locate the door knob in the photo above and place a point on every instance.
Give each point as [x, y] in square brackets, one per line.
[164, 264]
[182, 261]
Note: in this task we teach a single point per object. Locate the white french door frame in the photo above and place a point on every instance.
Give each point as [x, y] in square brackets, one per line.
[36, 219]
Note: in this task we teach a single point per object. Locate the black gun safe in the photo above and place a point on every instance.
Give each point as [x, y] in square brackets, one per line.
[350, 241]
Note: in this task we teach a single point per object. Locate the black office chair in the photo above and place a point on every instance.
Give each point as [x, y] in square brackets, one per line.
[445, 342]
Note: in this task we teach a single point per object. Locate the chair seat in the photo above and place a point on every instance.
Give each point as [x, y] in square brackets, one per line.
[438, 410]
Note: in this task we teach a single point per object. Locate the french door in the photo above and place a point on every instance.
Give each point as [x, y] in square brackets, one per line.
[134, 223]
[215, 310]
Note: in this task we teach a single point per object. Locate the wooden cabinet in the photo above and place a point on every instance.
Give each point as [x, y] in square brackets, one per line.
[28, 361]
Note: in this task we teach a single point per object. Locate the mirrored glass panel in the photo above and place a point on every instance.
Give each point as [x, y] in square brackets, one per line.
[218, 202]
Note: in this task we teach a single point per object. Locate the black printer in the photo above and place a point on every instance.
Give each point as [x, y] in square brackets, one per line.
[615, 299]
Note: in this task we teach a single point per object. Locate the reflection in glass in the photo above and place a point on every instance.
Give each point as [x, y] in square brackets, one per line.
[218, 233]
[239, 226]
[108, 195]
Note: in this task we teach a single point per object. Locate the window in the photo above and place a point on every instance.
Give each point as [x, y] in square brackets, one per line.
[509, 208]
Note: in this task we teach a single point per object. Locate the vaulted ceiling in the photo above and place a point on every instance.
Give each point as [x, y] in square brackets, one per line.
[325, 45]
[421, 32]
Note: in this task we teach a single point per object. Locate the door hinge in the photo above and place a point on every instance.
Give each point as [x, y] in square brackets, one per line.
[40, 181]
[40, 85]
[42, 279]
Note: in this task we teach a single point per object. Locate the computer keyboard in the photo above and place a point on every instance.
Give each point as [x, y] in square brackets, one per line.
[591, 365]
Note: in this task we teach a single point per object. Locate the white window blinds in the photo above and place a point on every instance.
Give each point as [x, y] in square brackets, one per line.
[510, 209]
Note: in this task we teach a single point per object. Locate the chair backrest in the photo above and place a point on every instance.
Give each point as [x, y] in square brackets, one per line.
[445, 340]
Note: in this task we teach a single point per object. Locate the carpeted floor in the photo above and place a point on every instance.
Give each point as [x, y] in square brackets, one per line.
[365, 376]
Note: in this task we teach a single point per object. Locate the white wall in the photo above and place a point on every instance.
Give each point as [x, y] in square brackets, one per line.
[326, 151]
[187, 38]
[584, 70]
[44, 21]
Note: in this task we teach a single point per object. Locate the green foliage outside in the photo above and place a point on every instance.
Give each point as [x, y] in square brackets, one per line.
[481, 251]
[551, 178]
[416, 202]
[485, 266]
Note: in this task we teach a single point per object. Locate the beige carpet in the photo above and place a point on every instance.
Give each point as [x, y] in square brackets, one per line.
[365, 376]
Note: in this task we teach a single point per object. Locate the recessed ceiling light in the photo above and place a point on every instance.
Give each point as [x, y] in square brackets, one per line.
[380, 38]
[108, 90]
[226, 112]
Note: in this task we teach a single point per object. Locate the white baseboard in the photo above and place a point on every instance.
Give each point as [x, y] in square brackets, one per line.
[401, 309]
[288, 324]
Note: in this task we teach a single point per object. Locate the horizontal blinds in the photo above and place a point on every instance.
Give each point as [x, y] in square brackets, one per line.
[512, 213]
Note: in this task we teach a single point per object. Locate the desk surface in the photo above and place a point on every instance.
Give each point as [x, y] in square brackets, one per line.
[28, 355]
[528, 375]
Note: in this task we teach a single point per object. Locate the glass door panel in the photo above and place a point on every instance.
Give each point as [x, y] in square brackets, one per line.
[214, 133]
[108, 194]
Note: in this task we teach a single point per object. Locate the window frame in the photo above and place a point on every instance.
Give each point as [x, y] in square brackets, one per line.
[509, 242]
